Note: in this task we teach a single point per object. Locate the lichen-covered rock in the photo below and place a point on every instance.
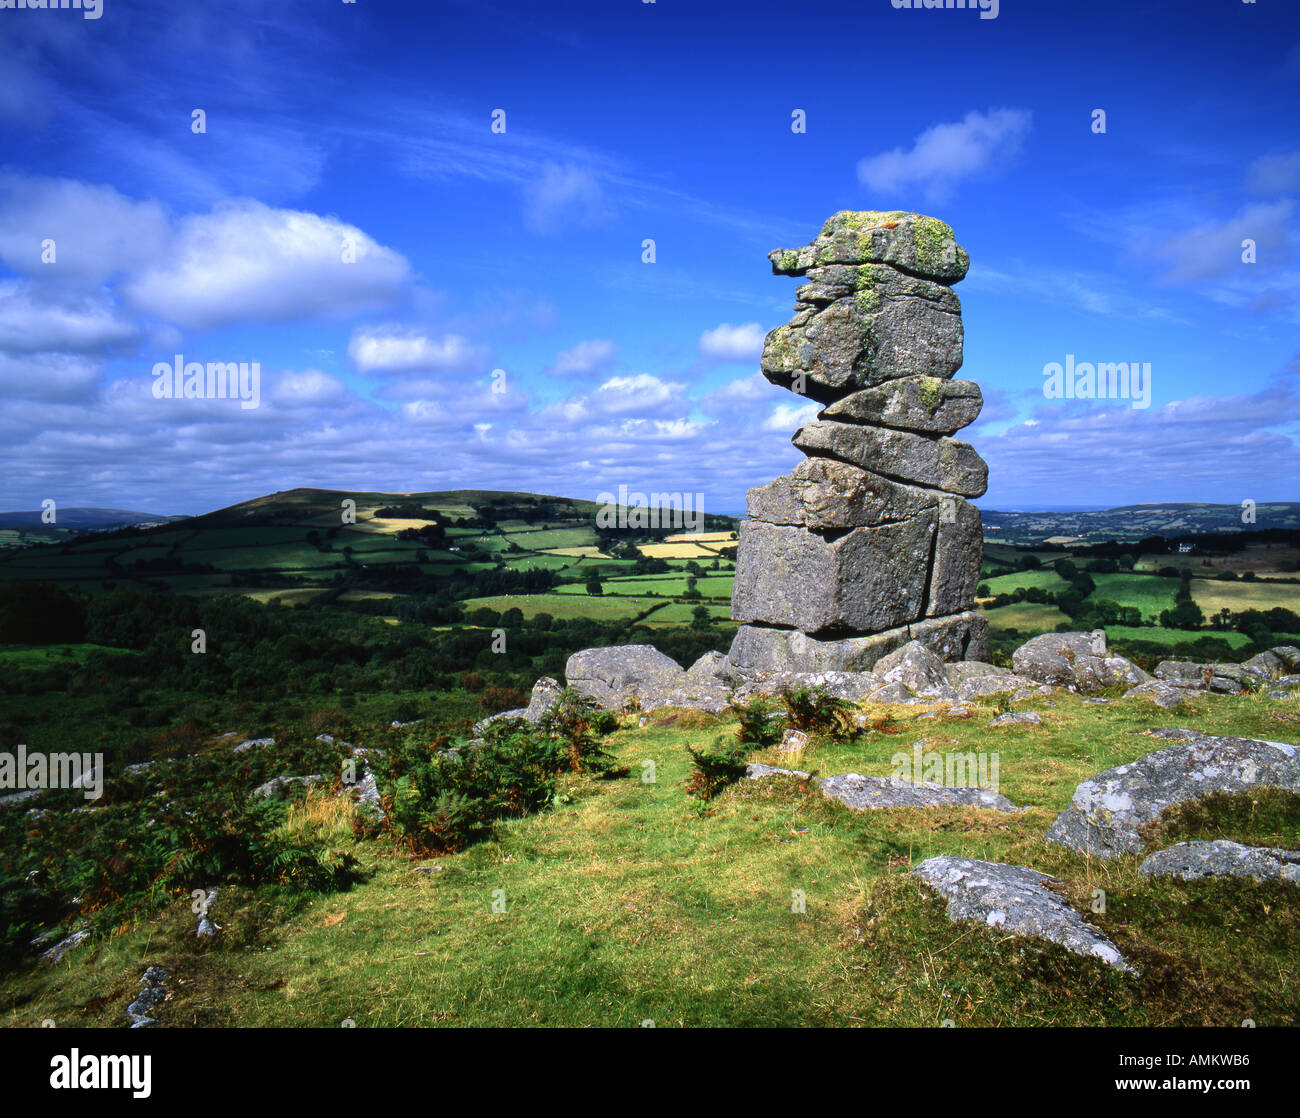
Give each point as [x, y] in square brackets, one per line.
[609, 675]
[1077, 661]
[1017, 901]
[958, 552]
[936, 462]
[1018, 718]
[1109, 810]
[826, 494]
[254, 743]
[865, 579]
[929, 405]
[1221, 858]
[924, 246]
[761, 648]
[1159, 692]
[1222, 679]
[893, 326]
[997, 683]
[917, 668]
[850, 686]
[875, 793]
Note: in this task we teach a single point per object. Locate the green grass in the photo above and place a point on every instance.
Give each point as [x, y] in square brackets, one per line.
[22, 656]
[1027, 580]
[631, 902]
[1026, 617]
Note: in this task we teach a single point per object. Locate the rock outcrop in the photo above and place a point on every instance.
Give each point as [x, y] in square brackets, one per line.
[1190, 861]
[1108, 811]
[871, 542]
[1017, 901]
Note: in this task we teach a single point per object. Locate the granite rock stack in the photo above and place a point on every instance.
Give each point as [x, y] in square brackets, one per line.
[871, 541]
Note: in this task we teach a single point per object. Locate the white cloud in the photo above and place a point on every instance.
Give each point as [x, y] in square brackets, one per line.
[247, 262]
[585, 357]
[306, 388]
[790, 417]
[34, 320]
[1213, 249]
[945, 154]
[97, 231]
[394, 352]
[732, 343]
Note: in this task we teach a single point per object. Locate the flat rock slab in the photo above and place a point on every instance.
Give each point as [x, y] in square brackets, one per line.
[936, 462]
[912, 242]
[1015, 900]
[872, 793]
[1018, 718]
[827, 494]
[760, 648]
[878, 793]
[1159, 692]
[929, 405]
[1108, 811]
[1222, 858]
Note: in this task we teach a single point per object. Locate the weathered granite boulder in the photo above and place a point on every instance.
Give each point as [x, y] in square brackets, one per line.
[929, 405]
[1222, 679]
[1077, 661]
[610, 675]
[1109, 810]
[760, 648]
[879, 793]
[892, 326]
[1159, 692]
[1221, 858]
[874, 793]
[826, 494]
[923, 246]
[1017, 901]
[545, 691]
[851, 686]
[916, 668]
[936, 462]
[1018, 718]
[866, 579]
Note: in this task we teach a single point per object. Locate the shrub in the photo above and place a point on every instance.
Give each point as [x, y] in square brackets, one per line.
[755, 727]
[816, 710]
[714, 769]
[578, 720]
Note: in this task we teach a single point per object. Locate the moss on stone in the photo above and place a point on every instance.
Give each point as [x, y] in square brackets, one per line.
[932, 236]
[930, 389]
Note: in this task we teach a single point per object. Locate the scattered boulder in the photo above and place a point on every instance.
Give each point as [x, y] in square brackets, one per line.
[54, 955]
[1015, 900]
[254, 743]
[615, 675]
[918, 669]
[278, 785]
[872, 793]
[152, 996]
[850, 686]
[793, 741]
[1160, 692]
[1077, 661]
[1222, 858]
[1109, 810]
[1018, 718]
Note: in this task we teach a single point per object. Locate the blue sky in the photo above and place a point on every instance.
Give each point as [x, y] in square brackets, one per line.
[331, 123]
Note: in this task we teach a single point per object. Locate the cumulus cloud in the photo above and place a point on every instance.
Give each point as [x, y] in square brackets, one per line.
[945, 154]
[40, 320]
[732, 343]
[585, 357]
[247, 262]
[97, 232]
[413, 351]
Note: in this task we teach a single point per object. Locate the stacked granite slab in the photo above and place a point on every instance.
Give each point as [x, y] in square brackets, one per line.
[870, 542]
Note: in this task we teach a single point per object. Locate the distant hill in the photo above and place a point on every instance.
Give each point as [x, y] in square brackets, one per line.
[1135, 522]
[83, 519]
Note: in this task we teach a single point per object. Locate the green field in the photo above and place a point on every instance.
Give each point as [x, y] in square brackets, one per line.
[1027, 580]
[1026, 617]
